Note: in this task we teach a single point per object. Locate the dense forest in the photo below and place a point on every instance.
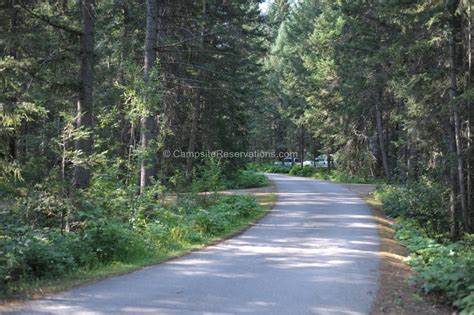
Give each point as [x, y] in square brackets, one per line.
[95, 96]
[386, 86]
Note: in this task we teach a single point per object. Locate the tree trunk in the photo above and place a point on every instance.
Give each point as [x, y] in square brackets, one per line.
[470, 46]
[12, 141]
[84, 104]
[197, 104]
[453, 200]
[380, 133]
[412, 156]
[194, 130]
[302, 145]
[123, 123]
[148, 123]
[457, 127]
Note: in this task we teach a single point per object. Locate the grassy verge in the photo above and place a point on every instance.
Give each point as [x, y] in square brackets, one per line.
[35, 288]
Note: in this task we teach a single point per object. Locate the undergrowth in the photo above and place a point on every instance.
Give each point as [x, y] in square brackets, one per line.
[441, 266]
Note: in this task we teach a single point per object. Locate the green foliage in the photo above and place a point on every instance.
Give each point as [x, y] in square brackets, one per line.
[424, 201]
[9, 171]
[247, 179]
[48, 234]
[124, 230]
[446, 269]
[271, 168]
[305, 171]
[220, 217]
[442, 267]
[30, 254]
[208, 176]
[112, 241]
[344, 177]
[41, 207]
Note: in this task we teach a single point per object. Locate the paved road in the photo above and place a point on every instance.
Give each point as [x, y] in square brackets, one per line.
[315, 253]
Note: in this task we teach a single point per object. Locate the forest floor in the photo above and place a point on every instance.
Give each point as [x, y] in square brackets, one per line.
[395, 293]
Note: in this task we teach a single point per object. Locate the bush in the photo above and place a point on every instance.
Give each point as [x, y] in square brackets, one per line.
[446, 269]
[209, 176]
[41, 208]
[45, 257]
[207, 222]
[247, 179]
[344, 177]
[110, 224]
[442, 267]
[243, 206]
[113, 241]
[424, 202]
[306, 171]
[227, 212]
[271, 168]
[157, 233]
[33, 256]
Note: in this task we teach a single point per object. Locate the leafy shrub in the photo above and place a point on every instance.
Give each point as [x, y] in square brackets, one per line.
[442, 267]
[207, 222]
[33, 256]
[447, 269]
[227, 212]
[322, 173]
[244, 205]
[305, 171]
[105, 231]
[271, 168]
[112, 241]
[344, 177]
[209, 176]
[247, 179]
[111, 198]
[157, 234]
[41, 208]
[79, 249]
[47, 258]
[424, 202]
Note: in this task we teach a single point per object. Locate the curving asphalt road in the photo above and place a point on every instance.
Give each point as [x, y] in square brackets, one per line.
[315, 253]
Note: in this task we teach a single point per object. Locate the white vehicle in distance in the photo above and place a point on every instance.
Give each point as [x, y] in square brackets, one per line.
[319, 161]
[287, 161]
[308, 163]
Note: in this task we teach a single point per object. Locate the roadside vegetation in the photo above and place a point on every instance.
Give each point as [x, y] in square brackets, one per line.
[248, 178]
[442, 267]
[111, 229]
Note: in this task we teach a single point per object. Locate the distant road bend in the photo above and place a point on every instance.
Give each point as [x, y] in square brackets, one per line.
[315, 253]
